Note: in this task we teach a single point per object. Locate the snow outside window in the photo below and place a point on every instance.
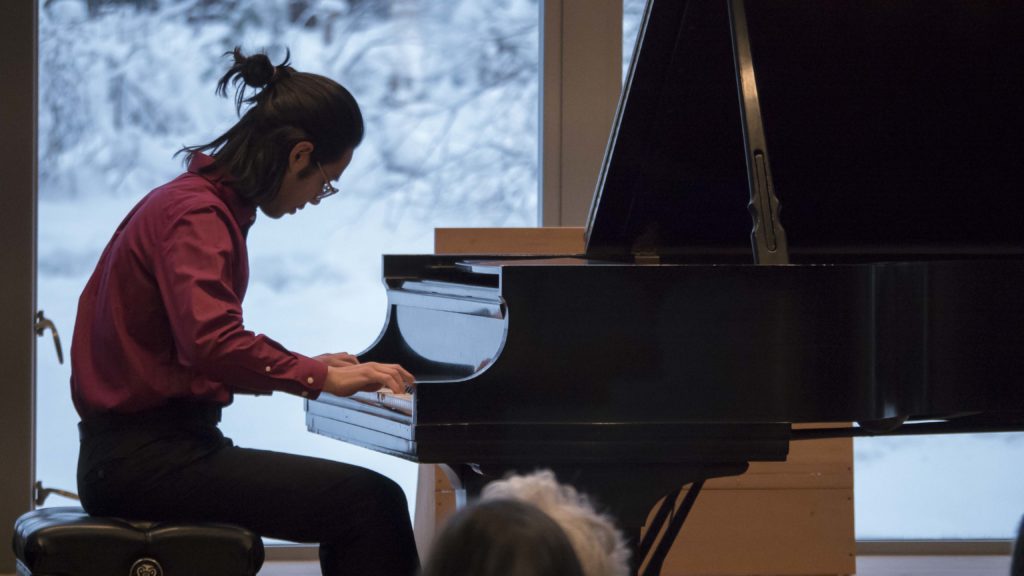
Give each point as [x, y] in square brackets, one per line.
[449, 94]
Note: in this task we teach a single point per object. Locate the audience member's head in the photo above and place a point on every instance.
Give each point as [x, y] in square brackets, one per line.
[599, 545]
[502, 537]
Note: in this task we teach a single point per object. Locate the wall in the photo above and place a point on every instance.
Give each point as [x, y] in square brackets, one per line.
[17, 234]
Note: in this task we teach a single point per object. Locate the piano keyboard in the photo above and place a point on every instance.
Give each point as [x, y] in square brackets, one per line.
[386, 399]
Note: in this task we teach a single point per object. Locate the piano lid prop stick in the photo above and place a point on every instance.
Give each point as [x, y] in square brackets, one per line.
[767, 238]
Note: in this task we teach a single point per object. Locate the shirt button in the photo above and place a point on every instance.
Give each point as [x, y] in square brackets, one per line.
[268, 368]
[309, 380]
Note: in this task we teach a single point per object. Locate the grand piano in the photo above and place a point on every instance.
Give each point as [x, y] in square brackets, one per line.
[869, 270]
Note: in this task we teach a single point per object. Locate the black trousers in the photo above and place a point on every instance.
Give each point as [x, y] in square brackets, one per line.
[174, 464]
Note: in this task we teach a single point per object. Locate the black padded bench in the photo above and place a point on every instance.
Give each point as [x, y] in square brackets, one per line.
[68, 542]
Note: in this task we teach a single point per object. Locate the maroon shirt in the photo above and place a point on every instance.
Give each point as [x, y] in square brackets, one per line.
[161, 316]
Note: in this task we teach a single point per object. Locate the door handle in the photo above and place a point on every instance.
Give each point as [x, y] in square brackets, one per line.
[42, 324]
[40, 493]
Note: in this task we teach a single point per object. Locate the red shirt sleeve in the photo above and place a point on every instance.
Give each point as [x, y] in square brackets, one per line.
[201, 269]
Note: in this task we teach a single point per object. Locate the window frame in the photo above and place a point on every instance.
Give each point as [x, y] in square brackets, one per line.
[18, 40]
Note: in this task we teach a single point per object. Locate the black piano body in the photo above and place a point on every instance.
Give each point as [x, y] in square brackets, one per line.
[870, 270]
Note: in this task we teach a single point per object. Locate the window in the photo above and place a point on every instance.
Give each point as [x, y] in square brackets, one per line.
[449, 93]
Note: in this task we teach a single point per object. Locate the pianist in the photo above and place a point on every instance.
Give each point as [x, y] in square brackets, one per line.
[160, 347]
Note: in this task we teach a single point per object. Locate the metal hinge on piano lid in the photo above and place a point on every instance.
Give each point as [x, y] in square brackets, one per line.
[642, 258]
[645, 246]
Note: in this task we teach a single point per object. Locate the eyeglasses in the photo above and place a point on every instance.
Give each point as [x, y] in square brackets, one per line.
[328, 189]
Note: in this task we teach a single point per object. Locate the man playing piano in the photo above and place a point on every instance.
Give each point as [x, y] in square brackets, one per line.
[160, 346]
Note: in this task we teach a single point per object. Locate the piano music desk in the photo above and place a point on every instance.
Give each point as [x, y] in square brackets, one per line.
[787, 518]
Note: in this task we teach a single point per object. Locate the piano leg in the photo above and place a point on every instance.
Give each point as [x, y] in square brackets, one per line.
[654, 559]
[627, 492]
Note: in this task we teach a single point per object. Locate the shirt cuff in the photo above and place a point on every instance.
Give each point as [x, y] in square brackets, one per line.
[313, 374]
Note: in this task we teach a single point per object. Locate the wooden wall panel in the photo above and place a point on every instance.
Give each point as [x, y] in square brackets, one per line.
[508, 240]
[789, 531]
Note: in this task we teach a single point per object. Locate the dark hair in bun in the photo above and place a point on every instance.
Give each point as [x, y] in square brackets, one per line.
[285, 108]
[256, 71]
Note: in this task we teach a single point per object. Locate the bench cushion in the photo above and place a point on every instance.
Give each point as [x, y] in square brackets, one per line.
[67, 541]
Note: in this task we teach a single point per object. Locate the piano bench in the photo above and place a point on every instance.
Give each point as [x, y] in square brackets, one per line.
[68, 542]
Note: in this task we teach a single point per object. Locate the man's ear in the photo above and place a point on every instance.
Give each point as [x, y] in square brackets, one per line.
[299, 157]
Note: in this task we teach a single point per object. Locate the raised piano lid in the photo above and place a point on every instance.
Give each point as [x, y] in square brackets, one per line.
[893, 127]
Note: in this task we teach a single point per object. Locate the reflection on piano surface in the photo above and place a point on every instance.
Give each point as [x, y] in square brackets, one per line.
[884, 285]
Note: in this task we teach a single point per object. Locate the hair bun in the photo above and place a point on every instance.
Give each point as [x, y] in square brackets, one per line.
[255, 70]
